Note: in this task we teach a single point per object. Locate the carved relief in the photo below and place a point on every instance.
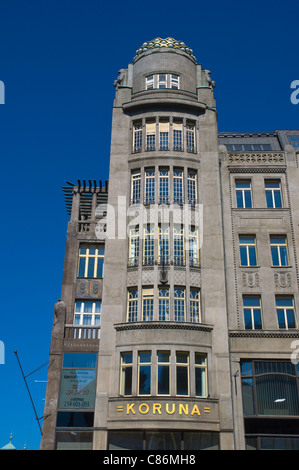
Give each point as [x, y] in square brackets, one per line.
[282, 279]
[250, 279]
[89, 288]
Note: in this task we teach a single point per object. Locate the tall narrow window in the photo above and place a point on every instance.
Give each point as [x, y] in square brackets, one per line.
[162, 80]
[182, 373]
[201, 387]
[163, 186]
[164, 135]
[91, 261]
[134, 247]
[144, 373]
[178, 246]
[243, 194]
[148, 304]
[149, 82]
[273, 194]
[193, 247]
[279, 250]
[137, 138]
[179, 304]
[177, 136]
[252, 313]
[178, 197]
[174, 82]
[247, 244]
[192, 187]
[132, 305]
[126, 365]
[163, 359]
[163, 304]
[135, 187]
[163, 245]
[150, 136]
[148, 246]
[149, 187]
[285, 312]
[190, 137]
[195, 305]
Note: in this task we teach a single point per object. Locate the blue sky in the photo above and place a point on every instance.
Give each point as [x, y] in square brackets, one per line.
[58, 61]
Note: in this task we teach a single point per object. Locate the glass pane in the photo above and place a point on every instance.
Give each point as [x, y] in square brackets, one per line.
[182, 357]
[81, 270]
[125, 440]
[87, 307]
[182, 380]
[200, 382]
[280, 318]
[283, 256]
[163, 356]
[163, 440]
[291, 318]
[257, 319]
[252, 256]
[247, 319]
[277, 395]
[90, 272]
[247, 394]
[163, 380]
[269, 199]
[98, 306]
[86, 319]
[78, 307]
[251, 301]
[127, 358]
[77, 440]
[277, 199]
[248, 202]
[126, 385]
[201, 441]
[284, 301]
[80, 360]
[243, 256]
[274, 253]
[239, 197]
[246, 368]
[144, 380]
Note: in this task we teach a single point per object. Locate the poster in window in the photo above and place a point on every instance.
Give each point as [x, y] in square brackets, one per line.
[77, 389]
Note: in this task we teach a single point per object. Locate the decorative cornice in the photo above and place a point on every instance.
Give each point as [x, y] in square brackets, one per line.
[268, 169]
[163, 326]
[264, 334]
[256, 157]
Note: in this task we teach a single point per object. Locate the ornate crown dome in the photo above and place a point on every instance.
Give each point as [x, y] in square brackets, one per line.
[168, 42]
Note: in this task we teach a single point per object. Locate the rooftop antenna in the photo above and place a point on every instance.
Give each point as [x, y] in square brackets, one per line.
[31, 399]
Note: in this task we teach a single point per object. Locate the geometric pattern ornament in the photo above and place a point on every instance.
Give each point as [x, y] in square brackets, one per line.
[168, 42]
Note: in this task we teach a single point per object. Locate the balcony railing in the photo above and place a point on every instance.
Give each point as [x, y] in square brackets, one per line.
[83, 332]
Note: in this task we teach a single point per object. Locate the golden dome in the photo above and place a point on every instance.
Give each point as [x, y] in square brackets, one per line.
[168, 42]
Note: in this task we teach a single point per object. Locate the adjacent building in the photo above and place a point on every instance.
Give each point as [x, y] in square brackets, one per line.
[177, 327]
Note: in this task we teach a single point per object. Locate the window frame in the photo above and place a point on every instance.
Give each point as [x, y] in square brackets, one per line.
[87, 257]
[123, 369]
[278, 247]
[254, 311]
[286, 309]
[244, 191]
[147, 304]
[272, 192]
[248, 247]
[132, 305]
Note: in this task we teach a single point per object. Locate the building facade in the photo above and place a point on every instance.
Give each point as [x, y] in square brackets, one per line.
[177, 327]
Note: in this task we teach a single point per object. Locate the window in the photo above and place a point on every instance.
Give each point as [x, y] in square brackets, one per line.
[193, 247]
[285, 312]
[294, 139]
[144, 373]
[182, 373]
[177, 136]
[126, 366]
[179, 304]
[178, 246]
[164, 246]
[134, 247]
[279, 250]
[162, 80]
[137, 138]
[270, 388]
[135, 187]
[163, 186]
[148, 246]
[246, 147]
[149, 187]
[174, 82]
[195, 305]
[201, 386]
[190, 137]
[178, 195]
[148, 304]
[150, 135]
[91, 261]
[163, 297]
[87, 313]
[247, 244]
[192, 187]
[164, 135]
[149, 82]
[252, 313]
[273, 194]
[132, 305]
[243, 194]
[163, 360]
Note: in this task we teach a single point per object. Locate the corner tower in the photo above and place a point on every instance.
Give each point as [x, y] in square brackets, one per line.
[163, 379]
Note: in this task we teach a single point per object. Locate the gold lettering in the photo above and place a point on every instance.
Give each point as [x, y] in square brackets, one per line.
[195, 410]
[167, 409]
[143, 412]
[157, 407]
[130, 408]
[183, 408]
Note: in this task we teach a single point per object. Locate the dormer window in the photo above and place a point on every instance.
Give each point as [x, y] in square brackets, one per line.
[162, 81]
